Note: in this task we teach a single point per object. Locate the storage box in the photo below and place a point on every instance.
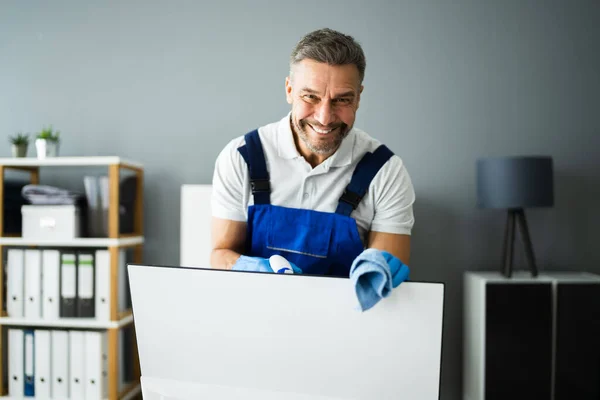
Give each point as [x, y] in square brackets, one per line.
[51, 222]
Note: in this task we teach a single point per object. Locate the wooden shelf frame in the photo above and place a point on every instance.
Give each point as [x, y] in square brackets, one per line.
[116, 241]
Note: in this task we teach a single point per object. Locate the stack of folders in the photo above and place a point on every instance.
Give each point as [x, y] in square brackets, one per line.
[59, 364]
[54, 284]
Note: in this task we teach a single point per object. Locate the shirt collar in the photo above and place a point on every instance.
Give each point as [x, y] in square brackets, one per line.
[343, 155]
[286, 148]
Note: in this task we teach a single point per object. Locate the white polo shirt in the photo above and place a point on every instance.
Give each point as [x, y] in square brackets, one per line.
[386, 207]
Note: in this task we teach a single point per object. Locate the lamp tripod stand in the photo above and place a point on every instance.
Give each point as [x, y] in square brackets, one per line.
[516, 216]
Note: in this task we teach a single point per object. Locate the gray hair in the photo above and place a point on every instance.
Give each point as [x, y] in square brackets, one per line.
[330, 47]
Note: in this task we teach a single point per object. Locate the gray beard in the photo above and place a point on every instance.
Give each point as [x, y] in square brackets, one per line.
[325, 148]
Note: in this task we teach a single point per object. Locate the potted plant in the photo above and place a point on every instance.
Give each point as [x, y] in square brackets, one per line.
[47, 142]
[20, 143]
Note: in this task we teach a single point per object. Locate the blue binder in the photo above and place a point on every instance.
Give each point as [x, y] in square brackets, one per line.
[29, 363]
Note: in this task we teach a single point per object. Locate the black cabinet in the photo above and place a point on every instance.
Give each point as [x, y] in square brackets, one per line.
[531, 338]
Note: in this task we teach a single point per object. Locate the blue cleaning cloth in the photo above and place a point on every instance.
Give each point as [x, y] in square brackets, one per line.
[374, 273]
[258, 264]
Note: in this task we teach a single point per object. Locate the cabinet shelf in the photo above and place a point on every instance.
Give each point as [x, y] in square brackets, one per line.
[75, 323]
[68, 162]
[76, 242]
[127, 394]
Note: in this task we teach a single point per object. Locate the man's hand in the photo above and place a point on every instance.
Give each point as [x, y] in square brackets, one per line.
[399, 271]
[228, 241]
[374, 273]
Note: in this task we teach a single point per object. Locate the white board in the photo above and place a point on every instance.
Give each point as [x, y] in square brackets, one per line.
[195, 222]
[294, 336]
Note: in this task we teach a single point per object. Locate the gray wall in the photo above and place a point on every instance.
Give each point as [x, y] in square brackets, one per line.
[169, 83]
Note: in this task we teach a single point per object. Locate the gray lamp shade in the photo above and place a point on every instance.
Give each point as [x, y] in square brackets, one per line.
[515, 182]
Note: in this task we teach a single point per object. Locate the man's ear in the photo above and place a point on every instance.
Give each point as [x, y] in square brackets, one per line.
[288, 89]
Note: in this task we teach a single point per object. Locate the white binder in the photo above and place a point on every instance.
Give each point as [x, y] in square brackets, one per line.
[96, 363]
[29, 362]
[15, 362]
[102, 285]
[60, 364]
[43, 364]
[50, 284]
[33, 284]
[16, 283]
[77, 364]
[103, 281]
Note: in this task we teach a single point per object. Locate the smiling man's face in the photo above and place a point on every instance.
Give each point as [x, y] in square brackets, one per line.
[324, 101]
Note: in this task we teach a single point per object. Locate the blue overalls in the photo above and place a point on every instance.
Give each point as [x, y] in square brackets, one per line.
[320, 243]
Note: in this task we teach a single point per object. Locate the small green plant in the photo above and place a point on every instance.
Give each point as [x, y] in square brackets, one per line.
[49, 134]
[20, 139]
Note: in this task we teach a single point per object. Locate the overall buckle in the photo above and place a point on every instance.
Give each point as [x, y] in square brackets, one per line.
[260, 185]
[351, 198]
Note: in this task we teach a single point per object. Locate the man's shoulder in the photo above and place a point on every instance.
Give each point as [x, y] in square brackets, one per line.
[232, 146]
[366, 143]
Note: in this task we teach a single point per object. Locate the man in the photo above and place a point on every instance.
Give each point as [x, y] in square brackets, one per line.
[311, 187]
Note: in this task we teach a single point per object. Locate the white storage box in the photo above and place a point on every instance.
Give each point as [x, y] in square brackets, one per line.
[51, 222]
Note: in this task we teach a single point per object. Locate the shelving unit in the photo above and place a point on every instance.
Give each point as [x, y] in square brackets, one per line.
[114, 243]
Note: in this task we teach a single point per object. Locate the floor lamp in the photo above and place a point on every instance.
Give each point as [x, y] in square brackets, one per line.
[514, 184]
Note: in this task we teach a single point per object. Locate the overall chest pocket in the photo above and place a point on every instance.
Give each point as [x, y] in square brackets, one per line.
[302, 232]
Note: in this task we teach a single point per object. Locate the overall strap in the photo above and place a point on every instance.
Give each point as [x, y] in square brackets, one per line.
[364, 173]
[253, 153]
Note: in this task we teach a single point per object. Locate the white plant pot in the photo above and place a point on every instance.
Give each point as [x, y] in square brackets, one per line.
[46, 148]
